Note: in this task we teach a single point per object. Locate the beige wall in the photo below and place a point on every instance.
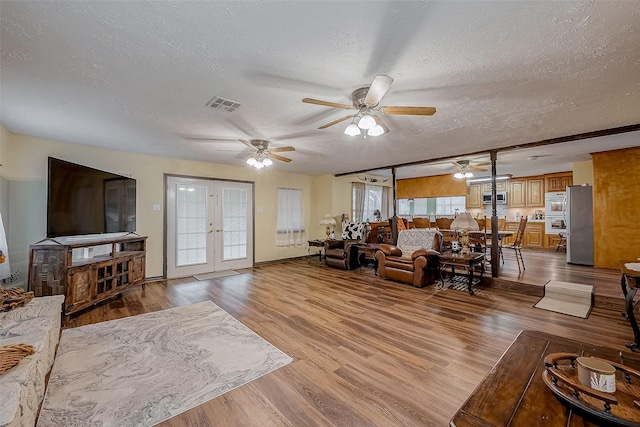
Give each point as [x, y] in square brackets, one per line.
[583, 173]
[25, 168]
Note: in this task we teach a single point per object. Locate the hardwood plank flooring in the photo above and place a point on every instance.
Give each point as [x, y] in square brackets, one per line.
[367, 351]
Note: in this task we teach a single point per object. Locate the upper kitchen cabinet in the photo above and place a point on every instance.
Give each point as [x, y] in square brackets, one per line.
[500, 186]
[535, 192]
[517, 197]
[555, 182]
[474, 198]
[526, 192]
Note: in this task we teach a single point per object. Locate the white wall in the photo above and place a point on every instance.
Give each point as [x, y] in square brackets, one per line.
[25, 170]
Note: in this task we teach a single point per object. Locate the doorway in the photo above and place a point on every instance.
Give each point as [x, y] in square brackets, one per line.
[209, 225]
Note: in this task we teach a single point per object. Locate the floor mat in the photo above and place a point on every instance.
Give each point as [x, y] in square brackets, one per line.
[572, 299]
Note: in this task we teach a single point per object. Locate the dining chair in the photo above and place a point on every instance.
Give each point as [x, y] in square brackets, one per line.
[516, 246]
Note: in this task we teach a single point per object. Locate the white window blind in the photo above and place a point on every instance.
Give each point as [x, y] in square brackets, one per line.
[290, 227]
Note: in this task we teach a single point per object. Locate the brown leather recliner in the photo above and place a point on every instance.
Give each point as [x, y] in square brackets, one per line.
[341, 254]
[344, 253]
[420, 265]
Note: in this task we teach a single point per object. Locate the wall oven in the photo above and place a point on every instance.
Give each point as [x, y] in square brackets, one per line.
[555, 203]
[555, 225]
[555, 209]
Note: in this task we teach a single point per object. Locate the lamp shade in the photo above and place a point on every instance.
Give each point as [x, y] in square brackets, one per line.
[367, 122]
[377, 130]
[352, 130]
[5, 270]
[464, 221]
[328, 220]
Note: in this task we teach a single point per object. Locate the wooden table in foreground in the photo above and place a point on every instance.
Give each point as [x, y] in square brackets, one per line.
[629, 283]
[514, 394]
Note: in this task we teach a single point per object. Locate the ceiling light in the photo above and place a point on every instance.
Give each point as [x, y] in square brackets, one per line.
[377, 130]
[458, 175]
[468, 175]
[352, 130]
[267, 162]
[251, 161]
[366, 122]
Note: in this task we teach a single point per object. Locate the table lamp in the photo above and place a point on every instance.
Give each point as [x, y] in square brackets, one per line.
[464, 222]
[5, 270]
[329, 221]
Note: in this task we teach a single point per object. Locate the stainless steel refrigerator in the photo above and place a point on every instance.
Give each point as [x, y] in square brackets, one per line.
[579, 223]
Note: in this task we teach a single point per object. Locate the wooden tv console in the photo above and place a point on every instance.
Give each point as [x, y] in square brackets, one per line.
[71, 269]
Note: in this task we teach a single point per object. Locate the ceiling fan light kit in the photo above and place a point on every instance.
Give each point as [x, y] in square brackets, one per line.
[462, 175]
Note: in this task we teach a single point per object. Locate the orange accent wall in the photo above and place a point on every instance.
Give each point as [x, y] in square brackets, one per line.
[430, 186]
[616, 206]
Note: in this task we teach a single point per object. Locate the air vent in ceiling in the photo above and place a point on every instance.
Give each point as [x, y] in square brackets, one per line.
[223, 104]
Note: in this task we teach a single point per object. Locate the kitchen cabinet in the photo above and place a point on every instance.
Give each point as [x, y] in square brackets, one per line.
[526, 192]
[500, 186]
[534, 236]
[555, 182]
[516, 198]
[535, 192]
[474, 198]
[552, 241]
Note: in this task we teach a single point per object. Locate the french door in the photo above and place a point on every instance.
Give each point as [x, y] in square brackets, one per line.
[209, 226]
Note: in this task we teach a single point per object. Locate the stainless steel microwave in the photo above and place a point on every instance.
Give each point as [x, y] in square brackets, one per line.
[501, 198]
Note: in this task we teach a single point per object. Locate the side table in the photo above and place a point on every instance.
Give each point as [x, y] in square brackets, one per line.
[315, 244]
[367, 253]
[468, 261]
[629, 283]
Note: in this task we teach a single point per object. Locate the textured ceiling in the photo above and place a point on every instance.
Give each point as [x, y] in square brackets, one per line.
[136, 75]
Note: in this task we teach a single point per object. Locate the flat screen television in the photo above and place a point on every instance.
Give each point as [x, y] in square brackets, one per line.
[82, 200]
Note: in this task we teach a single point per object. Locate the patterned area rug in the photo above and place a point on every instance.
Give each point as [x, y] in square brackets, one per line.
[567, 298]
[460, 283]
[215, 275]
[141, 370]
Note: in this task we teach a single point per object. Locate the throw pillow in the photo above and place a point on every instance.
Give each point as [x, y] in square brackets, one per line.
[353, 231]
[401, 225]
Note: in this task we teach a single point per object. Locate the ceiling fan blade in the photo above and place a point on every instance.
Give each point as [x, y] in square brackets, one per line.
[476, 168]
[275, 156]
[206, 139]
[326, 103]
[458, 165]
[335, 122]
[381, 123]
[280, 149]
[482, 164]
[410, 111]
[247, 143]
[379, 87]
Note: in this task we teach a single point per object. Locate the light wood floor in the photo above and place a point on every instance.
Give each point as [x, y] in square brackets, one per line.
[367, 352]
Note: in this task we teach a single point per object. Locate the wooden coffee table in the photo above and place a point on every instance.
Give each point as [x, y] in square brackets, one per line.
[469, 261]
[514, 394]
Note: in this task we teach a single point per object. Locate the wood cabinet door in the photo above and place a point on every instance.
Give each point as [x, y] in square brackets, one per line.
[474, 199]
[137, 269]
[535, 192]
[80, 289]
[533, 238]
[565, 182]
[501, 185]
[517, 193]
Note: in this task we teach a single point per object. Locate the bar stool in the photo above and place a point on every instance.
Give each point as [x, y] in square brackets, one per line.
[562, 243]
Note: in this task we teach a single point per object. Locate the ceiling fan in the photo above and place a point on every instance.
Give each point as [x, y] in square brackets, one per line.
[262, 154]
[465, 167]
[366, 100]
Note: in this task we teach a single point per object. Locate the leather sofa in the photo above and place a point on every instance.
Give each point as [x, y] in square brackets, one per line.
[415, 260]
[344, 253]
